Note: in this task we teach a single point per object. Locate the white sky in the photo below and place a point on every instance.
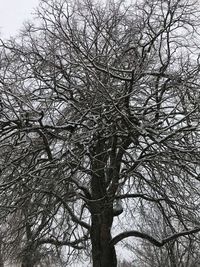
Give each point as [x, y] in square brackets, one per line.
[13, 13]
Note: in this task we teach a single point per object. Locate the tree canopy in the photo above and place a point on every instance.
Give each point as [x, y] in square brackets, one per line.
[99, 130]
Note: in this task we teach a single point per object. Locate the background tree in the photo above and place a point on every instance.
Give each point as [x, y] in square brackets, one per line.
[99, 105]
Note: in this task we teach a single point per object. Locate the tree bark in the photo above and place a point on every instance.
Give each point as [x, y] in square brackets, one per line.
[1, 253]
[103, 253]
[28, 259]
[25, 263]
[1, 261]
[101, 208]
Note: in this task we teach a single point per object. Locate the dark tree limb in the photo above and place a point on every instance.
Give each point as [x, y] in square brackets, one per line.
[58, 243]
[143, 196]
[151, 239]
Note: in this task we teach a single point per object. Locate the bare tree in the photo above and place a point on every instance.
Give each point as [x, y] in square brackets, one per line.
[99, 108]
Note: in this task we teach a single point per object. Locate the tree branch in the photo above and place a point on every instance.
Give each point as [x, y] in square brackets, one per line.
[151, 239]
[143, 196]
[59, 243]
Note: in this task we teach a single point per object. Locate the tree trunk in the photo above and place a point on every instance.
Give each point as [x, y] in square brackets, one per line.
[101, 208]
[1, 261]
[27, 264]
[28, 259]
[103, 254]
[1, 253]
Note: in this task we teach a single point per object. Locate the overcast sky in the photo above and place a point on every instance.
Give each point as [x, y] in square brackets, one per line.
[13, 13]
